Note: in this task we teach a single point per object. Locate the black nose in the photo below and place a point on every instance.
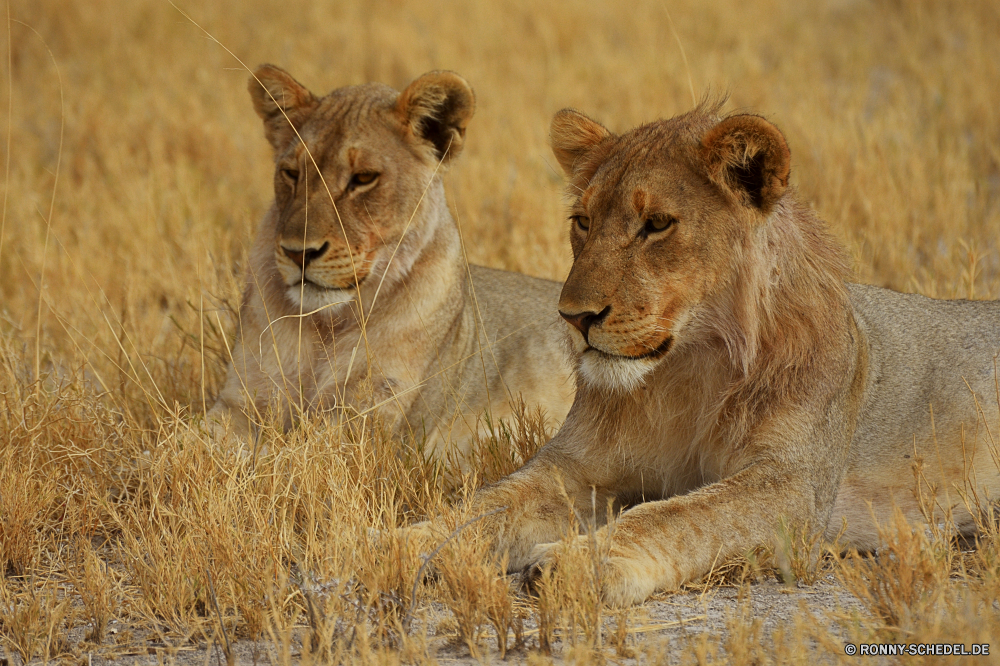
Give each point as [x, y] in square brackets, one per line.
[303, 258]
[584, 320]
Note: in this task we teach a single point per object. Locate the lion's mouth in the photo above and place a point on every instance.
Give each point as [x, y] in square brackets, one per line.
[309, 284]
[652, 354]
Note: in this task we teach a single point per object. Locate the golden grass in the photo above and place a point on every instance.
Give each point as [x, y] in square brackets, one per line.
[138, 171]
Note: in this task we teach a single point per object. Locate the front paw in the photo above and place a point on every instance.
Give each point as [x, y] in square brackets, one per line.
[543, 557]
[627, 581]
[414, 547]
[424, 536]
[624, 579]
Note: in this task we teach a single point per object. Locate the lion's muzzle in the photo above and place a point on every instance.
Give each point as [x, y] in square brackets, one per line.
[303, 257]
[324, 265]
[582, 321]
[631, 337]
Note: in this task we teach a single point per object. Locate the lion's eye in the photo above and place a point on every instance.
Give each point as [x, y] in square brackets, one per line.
[291, 175]
[656, 223]
[581, 221]
[363, 178]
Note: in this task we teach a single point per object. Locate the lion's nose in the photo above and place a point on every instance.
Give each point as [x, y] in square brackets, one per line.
[304, 257]
[584, 320]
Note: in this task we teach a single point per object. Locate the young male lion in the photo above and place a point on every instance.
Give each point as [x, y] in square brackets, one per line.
[729, 377]
[358, 295]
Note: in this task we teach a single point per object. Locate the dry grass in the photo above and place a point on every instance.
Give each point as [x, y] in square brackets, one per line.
[137, 172]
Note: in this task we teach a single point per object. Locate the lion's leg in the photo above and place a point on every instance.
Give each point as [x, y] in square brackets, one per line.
[663, 544]
[228, 414]
[223, 419]
[537, 501]
[531, 506]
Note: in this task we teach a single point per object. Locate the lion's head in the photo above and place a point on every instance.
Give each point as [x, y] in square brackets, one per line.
[351, 170]
[668, 220]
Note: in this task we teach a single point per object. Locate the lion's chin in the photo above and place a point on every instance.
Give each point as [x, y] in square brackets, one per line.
[616, 373]
[311, 298]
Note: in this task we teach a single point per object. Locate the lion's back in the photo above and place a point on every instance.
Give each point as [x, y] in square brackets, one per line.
[924, 354]
[510, 300]
[519, 317]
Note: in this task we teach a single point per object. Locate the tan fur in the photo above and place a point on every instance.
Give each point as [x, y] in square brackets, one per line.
[730, 377]
[389, 316]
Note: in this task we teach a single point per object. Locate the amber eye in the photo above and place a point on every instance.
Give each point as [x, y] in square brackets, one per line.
[291, 175]
[581, 221]
[658, 222]
[363, 178]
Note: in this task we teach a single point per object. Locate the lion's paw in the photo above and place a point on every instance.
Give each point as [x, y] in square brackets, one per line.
[627, 582]
[624, 580]
[423, 533]
[543, 558]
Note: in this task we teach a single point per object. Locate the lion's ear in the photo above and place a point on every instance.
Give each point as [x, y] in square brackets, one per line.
[281, 102]
[748, 156]
[573, 135]
[436, 108]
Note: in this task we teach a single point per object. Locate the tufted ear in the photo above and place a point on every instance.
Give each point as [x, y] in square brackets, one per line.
[573, 135]
[435, 109]
[279, 100]
[749, 157]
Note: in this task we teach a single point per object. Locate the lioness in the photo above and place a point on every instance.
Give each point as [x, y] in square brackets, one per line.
[358, 295]
[729, 377]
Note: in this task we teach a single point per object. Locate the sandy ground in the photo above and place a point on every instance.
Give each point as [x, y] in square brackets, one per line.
[665, 629]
